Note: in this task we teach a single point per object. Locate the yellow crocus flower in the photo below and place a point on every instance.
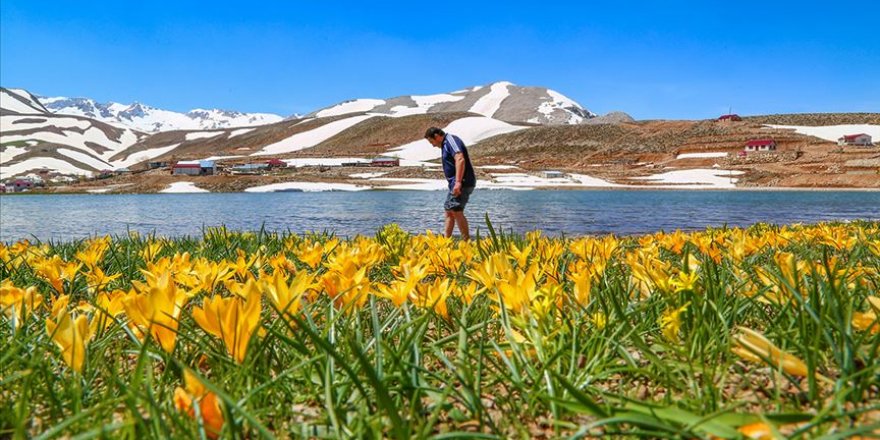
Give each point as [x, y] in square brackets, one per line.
[684, 281]
[233, 320]
[757, 431]
[154, 307]
[151, 250]
[433, 296]
[195, 393]
[754, 347]
[670, 322]
[56, 271]
[287, 296]
[582, 279]
[97, 279]
[17, 303]
[94, 252]
[71, 336]
[108, 306]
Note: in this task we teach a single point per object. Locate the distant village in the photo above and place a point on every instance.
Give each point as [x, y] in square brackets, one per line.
[45, 177]
[752, 150]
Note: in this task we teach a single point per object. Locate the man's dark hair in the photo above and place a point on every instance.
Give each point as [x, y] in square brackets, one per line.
[434, 131]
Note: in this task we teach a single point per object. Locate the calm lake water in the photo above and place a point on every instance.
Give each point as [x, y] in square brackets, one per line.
[57, 217]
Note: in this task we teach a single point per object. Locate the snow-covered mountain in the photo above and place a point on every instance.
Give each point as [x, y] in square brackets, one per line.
[20, 101]
[501, 100]
[32, 139]
[150, 119]
[80, 136]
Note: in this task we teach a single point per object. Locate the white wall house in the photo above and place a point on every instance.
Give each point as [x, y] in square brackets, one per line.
[860, 139]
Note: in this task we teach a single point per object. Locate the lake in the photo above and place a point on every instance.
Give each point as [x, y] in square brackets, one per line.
[62, 217]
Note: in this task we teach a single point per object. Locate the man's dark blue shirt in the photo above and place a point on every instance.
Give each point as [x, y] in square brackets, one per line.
[453, 145]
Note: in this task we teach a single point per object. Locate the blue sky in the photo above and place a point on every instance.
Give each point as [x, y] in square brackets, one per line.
[652, 59]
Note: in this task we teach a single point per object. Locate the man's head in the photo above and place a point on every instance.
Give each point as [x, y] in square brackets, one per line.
[435, 136]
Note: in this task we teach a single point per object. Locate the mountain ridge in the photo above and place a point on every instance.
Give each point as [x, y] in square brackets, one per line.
[150, 119]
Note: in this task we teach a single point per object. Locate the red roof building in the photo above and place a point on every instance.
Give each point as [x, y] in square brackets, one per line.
[276, 163]
[861, 139]
[385, 162]
[760, 145]
[730, 117]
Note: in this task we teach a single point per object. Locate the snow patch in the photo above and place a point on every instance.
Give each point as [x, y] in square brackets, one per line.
[84, 158]
[355, 106]
[142, 156]
[423, 104]
[9, 101]
[701, 155]
[323, 161]
[183, 187]
[367, 175]
[36, 163]
[490, 103]
[695, 178]
[471, 130]
[9, 153]
[311, 138]
[202, 135]
[240, 132]
[221, 157]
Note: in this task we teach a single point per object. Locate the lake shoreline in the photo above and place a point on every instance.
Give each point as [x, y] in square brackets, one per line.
[568, 212]
[512, 189]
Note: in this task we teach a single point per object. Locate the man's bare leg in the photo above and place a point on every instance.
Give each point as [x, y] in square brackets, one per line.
[463, 227]
[450, 223]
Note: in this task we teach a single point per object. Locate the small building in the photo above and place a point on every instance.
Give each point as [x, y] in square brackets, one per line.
[550, 174]
[194, 168]
[104, 174]
[385, 162]
[157, 164]
[733, 117]
[207, 167]
[2, 188]
[861, 139]
[756, 145]
[121, 171]
[276, 163]
[358, 163]
[186, 168]
[19, 185]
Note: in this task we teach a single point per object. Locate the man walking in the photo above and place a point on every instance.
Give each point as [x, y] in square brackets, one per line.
[460, 174]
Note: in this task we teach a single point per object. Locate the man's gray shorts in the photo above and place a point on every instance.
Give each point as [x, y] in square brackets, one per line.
[454, 203]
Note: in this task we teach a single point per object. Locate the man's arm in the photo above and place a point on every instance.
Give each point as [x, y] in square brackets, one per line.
[459, 173]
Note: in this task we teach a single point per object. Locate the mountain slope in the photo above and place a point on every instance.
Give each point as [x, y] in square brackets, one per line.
[501, 100]
[19, 101]
[35, 139]
[150, 119]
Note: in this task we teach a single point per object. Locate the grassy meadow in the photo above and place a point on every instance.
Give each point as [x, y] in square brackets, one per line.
[763, 332]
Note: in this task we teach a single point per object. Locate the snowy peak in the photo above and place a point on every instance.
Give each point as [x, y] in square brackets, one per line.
[146, 118]
[500, 100]
[19, 101]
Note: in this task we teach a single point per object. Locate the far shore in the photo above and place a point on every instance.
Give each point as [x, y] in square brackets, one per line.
[540, 188]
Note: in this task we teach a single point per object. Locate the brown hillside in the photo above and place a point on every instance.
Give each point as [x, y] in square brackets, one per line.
[816, 119]
[579, 145]
[377, 135]
[222, 145]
